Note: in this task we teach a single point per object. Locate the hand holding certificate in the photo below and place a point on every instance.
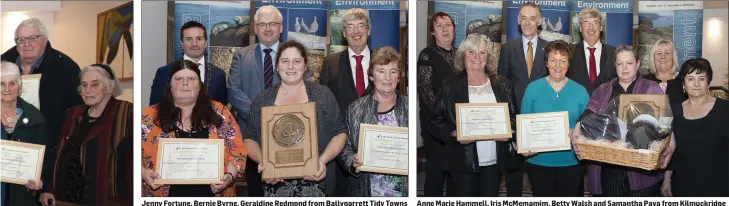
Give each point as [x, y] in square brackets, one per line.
[542, 132]
[190, 161]
[383, 149]
[20, 161]
[482, 121]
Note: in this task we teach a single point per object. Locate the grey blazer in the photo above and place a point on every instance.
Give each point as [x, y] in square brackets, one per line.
[364, 110]
[512, 66]
[245, 81]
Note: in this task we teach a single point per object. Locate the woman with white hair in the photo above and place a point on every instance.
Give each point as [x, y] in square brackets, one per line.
[94, 155]
[21, 122]
[476, 166]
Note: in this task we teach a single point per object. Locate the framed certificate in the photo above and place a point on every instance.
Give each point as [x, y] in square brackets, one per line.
[20, 161]
[632, 105]
[482, 121]
[190, 161]
[31, 87]
[383, 149]
[289, 141]
[542, 132]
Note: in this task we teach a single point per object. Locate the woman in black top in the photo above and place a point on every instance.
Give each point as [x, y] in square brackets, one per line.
[663, 65]
[435, 63]
[701, 160]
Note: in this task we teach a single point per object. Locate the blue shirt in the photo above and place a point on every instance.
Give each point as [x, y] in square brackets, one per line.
[33, 67]
[525, 45]
[539, 98]
[273, 47]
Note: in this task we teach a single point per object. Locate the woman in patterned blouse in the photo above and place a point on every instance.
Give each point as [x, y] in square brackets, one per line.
[186, 111]
[383, 107]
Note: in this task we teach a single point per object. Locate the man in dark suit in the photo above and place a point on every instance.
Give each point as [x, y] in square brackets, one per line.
[593, 62]
[59, 81]
[194, 41]
[344, 73]
[253, 70]
[521, 62]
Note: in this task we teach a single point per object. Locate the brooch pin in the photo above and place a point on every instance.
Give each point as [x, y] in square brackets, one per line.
[25, 120]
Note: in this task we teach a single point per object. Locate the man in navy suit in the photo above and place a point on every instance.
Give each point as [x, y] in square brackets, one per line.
[522, 61]
[253, 70]
[194, 41]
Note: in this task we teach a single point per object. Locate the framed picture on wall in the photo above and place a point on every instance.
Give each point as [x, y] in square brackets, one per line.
[114, 40]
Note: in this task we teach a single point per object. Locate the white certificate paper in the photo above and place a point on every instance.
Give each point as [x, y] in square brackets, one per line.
[31, 87]
[482, 121]
[543, 132]
[190, 161]
[383, 149]
[20, 162]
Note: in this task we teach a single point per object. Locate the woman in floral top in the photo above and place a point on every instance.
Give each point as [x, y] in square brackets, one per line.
[186, 111]
[383, 107]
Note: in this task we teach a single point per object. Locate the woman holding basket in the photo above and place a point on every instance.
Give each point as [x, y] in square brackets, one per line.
[612, 180]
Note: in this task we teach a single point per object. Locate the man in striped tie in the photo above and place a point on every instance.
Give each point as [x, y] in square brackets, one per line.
[345, 72]
[252, 71]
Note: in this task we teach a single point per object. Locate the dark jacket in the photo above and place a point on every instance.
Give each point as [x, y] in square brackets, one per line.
[58, 88]
[464, 158]
[579, 67]
[336, 74]
[33, 131]
[215, 82]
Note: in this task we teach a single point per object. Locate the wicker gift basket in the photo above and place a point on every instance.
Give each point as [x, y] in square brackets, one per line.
[617, 134]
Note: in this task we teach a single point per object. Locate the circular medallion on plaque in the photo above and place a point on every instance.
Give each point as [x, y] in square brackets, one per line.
[288, 130]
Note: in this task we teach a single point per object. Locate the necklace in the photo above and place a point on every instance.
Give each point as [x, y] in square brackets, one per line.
[554, 84]
[7, 118]
[448, 58]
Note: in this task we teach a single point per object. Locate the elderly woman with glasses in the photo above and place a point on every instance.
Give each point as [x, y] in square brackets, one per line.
[476, 166]
[22, 122]
[95, 148]
[186, 111]
[613, 180]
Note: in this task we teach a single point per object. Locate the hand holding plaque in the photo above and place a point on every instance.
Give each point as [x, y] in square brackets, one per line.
[21, 162]
[383, 149]
[190, 161]
[542, 132]
[289, 141]
[482, 121]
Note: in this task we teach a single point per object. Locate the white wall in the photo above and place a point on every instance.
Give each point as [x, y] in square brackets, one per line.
[716, 42]
[154, 44]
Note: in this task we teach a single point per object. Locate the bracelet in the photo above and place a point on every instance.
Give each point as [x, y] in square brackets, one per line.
[231, 175]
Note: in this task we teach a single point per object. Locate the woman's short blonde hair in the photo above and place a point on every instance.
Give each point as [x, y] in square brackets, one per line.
[11, 70]
[112, 84]
[471, 42]
[662, 42]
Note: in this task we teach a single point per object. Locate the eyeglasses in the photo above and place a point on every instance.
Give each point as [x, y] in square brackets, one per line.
[358, 27]
[269, 25]
[591, 24]
[32, 39]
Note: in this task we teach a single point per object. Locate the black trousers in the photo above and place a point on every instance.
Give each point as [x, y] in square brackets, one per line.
[253, 179]
[556, 181]
[515, 182]
[485, 183]
[615, 183]
[342, 186]
[435, 175]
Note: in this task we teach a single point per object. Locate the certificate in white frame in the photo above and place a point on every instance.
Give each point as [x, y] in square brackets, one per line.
[543, 132]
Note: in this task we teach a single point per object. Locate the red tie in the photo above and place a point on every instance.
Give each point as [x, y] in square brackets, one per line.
[359, 84]
[593, 65]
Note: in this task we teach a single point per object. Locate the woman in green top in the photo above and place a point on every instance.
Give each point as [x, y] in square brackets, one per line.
[555, 174]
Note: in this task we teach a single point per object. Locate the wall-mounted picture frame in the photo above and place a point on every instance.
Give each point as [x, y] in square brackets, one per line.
[114, 40]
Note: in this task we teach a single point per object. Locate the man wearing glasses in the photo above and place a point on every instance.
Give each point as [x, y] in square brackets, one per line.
[252, 71]
[58, 84]
[194, 41]
[345, 72]
[593, 62]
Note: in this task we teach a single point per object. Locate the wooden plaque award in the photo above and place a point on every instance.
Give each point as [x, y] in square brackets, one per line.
[632, 105]
[289, 141]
